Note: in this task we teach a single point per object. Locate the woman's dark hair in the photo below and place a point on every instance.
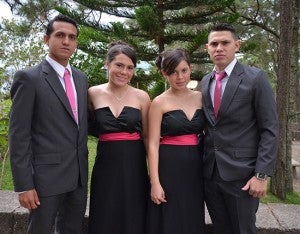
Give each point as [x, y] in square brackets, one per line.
[60, 18]
[120, 47]
[168, 60]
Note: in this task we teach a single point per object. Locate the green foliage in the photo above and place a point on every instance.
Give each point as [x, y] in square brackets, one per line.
[90, 65]
[92, 146]
[158, 88]
[149, 24]
[6, 181]
[20, 47]
[4, 120]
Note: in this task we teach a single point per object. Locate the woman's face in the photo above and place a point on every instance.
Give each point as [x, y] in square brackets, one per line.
[181, 75]
[120, 70]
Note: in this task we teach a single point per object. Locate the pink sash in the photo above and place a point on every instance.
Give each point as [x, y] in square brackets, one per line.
[119, 136]
[190, 139]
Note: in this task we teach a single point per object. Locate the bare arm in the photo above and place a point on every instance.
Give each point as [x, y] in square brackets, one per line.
[155, 117]
[145, 104]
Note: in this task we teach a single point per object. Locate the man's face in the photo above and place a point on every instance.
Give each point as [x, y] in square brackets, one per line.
[221, 48]
[62, 42]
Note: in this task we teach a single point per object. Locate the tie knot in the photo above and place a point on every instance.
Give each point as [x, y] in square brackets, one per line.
[67, 73]
[220, 75]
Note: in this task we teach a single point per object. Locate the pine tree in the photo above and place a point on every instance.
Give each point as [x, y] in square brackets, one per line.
[150, 26]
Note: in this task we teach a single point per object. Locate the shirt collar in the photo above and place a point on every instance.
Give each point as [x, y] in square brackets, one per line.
[229, 68]
[60, 69]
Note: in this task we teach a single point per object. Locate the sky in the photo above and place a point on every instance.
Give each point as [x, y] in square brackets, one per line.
[5, 11]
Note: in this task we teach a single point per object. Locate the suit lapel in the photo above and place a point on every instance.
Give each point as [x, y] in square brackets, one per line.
[80, 93]
[51, 77]
[208, 106]
[230, 89]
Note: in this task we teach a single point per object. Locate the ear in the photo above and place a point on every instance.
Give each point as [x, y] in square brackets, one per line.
[46, 39]
[164, 74]
[106, 65]
[237, 45]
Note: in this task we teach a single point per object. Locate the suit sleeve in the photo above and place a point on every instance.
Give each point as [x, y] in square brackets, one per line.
[23, 98]
[267, 121]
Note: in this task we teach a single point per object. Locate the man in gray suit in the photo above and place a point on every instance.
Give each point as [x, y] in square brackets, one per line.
[48, 139]
[241, 136]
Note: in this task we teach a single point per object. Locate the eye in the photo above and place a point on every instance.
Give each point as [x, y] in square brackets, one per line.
[73, 37]
[59, 35]
[224, 43]
[173, 73]
[213, 44]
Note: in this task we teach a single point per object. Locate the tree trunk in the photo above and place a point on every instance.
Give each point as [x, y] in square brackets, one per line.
[160, 38]
[295, 60]
[283, 163]
[294, 86]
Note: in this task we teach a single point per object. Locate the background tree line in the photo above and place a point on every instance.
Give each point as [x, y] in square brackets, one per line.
[269, 31]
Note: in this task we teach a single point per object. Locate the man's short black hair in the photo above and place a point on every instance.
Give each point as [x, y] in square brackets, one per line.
[224, 27]
[60, 18]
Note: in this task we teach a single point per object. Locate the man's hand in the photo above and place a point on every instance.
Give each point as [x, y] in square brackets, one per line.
[29, 199]
[256, 187]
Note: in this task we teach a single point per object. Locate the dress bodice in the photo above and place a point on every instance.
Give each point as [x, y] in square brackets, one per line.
[129, 120]
[176, 123]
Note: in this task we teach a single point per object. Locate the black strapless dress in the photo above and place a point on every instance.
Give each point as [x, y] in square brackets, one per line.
[180, 174]
[119, 183]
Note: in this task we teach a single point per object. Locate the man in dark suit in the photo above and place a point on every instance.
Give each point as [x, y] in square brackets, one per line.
[241, 136]
[48, 139]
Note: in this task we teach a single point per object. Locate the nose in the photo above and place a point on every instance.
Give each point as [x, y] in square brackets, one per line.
[219, 47]
[66, 40]
[125, 70]
[179, 75]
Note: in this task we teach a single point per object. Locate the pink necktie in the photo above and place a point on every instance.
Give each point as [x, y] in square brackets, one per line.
[70, 92]
[218, 90]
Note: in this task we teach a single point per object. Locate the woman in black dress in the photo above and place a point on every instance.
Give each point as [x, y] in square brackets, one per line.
[119, 183]
[176, 122]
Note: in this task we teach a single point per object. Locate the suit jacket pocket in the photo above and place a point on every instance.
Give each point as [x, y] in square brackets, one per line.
[245, 153]
[45, 159]
[241, 98]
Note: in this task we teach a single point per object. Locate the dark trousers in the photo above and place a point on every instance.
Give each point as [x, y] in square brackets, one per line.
[232, 210]
[61, 213]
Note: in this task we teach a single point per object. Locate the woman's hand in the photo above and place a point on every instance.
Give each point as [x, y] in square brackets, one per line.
[157, 194]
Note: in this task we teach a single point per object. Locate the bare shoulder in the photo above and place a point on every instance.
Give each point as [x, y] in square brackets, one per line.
[97, 89]
[160, 100]
[196, 93]
[141, 94]
[196, 97]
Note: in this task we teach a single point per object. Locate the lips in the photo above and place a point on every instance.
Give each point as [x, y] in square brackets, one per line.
[65, 49]
[122, 79]
[219, 56]
[180, 83]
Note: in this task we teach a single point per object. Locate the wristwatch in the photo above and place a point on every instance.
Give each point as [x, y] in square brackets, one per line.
[261, 176]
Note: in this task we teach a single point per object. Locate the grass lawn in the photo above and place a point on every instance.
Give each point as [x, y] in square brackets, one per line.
[291, 198]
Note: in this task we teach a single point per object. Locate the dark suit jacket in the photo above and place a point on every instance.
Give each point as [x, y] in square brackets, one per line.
[243, 139]
[48, 150]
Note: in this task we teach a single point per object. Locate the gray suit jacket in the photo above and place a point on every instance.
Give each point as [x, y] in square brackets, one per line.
[243, 139]
[48, 150]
